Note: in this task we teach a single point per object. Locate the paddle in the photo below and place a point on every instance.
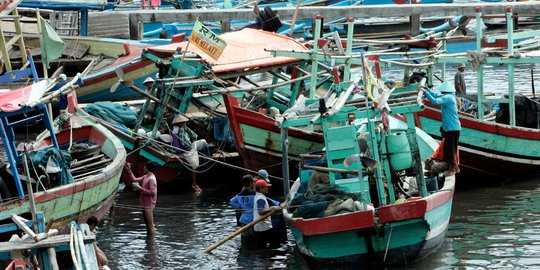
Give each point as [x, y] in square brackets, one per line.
[241, 230]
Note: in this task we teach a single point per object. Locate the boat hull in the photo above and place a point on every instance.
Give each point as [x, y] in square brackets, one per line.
[490, 148]
[404, 233]
[258, 139]
[76, 201]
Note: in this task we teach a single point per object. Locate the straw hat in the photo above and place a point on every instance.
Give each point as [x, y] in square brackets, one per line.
[445, 87]
[180, 119]
[462, 65]
[148, 80]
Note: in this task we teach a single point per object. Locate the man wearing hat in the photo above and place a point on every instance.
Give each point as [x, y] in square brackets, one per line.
[265, 232]
[148, 83]
[186, 143]
[459, 80]
[450, 121]
[262, 174]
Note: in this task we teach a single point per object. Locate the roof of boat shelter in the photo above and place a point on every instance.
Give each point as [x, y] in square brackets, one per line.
[245, 49]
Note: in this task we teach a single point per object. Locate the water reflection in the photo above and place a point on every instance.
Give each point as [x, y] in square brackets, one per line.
[491, 228]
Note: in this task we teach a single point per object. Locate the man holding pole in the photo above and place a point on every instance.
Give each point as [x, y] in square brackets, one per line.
[264, 231]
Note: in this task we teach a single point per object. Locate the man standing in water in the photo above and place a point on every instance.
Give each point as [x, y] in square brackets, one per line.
[264, 231]
[450, 122]
[243, 203]
[147, 185]
[459, 81]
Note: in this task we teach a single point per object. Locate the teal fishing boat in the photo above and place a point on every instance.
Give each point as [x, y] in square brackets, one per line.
[503, 144]
[190, 83]
[365, 198]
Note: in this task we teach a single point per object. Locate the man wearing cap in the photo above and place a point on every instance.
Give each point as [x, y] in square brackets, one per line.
[263, 230]
[450, 122]
[262, 174]
[243, 204]
[459, 80]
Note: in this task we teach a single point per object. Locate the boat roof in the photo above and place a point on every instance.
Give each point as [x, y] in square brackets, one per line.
[14, 100]
[245, 49]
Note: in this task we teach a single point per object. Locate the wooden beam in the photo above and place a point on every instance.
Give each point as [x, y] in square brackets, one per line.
[455, 9]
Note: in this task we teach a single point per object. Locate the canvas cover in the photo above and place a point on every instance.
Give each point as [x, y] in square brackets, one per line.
[16, 99]
[245, 49]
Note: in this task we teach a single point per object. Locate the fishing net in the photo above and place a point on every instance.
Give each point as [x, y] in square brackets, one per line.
[113, 113]
[56, 161]
[323, 200]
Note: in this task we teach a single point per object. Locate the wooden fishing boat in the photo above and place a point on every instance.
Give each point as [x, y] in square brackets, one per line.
[81, 175]
[182, 92]
[368, 224]
[99, 60]
[257, 138]
[498, 148]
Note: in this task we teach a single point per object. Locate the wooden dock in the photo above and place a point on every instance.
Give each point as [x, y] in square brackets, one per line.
[138, 17]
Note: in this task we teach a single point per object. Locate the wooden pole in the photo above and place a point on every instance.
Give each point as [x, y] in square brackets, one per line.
[239, 231]
[294, 17]
[43, 52]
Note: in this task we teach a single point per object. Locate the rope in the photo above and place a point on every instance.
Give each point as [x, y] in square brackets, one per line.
[165, 145]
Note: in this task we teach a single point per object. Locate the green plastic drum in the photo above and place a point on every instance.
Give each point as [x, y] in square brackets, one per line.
[399, 151]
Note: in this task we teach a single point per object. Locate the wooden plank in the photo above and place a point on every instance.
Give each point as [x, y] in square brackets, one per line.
[52, 241]
[75, 49]
[84, 161]
[85, 175]
[108, 24]
[90, 166]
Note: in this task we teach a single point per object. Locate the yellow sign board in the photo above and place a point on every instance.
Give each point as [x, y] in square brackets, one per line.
[207, 41]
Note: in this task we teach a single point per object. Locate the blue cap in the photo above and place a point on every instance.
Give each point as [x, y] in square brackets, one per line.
[264, 175]
[445, 87]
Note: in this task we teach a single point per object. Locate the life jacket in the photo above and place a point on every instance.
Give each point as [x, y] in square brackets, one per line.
[266, 224]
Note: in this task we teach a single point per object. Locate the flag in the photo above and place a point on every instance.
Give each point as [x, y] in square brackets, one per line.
[52, 45]
[207, 41]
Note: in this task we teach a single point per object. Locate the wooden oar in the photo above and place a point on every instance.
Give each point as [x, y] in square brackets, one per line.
[241, 230]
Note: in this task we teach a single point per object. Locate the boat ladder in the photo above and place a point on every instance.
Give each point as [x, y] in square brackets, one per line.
[10, 15]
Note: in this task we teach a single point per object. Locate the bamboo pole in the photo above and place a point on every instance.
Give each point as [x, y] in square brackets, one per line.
[294, 17]
[261, 87]
[241, 230]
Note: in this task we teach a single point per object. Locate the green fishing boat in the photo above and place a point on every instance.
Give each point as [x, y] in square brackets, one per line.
[69, 172]
[364, 197]
[507, 143]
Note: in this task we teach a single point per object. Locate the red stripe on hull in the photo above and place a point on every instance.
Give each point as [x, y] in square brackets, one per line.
[112, 74]
[333, 224]
[413, 209]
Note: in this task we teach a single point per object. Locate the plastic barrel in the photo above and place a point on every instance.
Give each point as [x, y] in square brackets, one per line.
[399, 151]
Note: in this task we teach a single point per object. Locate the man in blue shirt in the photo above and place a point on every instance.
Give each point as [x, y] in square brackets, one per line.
[243, 201]
[450, 121]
